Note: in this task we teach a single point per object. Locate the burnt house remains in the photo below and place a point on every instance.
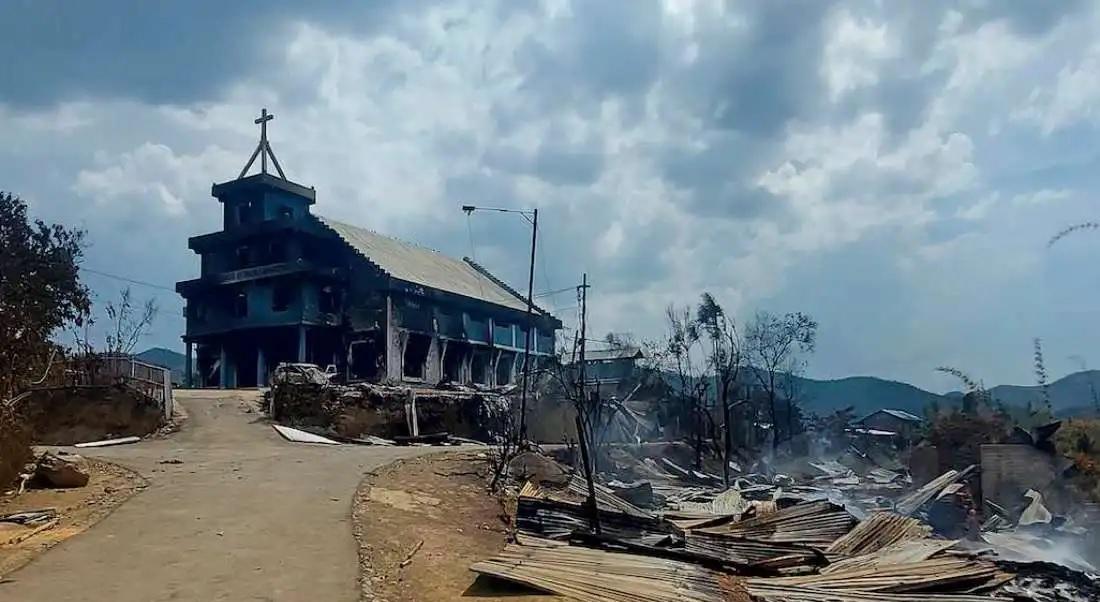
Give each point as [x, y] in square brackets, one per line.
[280, 284]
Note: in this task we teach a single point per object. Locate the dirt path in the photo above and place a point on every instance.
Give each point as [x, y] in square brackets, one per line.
[244, 516]
[423, 522]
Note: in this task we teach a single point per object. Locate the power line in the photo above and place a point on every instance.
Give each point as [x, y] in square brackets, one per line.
[130, 280]
[555, 292]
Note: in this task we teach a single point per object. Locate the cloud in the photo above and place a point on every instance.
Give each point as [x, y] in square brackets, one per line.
[888, 168]
[853, 54]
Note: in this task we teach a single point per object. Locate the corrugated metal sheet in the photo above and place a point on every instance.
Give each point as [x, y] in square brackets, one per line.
[576, 492]
[912, 502]
[878, 531]
[813, 524]
[595, 575]
[791, 593]
[955, 574]
[902, 552]
[763, 554]
[419, 265]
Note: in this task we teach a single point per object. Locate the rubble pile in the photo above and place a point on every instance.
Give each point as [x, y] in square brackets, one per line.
[816, 532]
[301, 395]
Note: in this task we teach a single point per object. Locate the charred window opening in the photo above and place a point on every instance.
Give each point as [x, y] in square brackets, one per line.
[453, 361]
[281, 296]
[506, 368]
[276, 251]
[416, 355]
[479, 367]
[244, 213]
[285, 212]
[196, 311]
[328, 300]
[241, 258]
[240, 305]
[364, 359]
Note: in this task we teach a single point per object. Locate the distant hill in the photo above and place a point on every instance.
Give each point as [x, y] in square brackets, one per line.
[166, 358]
[866, 394]
[1070, 395]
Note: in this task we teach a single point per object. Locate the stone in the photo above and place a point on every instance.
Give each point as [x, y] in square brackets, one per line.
[59, 472]
[532, 466]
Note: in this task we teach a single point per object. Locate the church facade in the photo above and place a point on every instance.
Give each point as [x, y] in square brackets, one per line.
[280, 284]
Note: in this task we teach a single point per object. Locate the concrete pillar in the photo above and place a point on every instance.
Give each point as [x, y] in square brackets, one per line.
[493, 363]
[188, 367]
[223, 369]
[261, 368]
[301, 343]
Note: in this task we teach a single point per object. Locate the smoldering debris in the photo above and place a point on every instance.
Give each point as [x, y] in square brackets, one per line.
[817, 531]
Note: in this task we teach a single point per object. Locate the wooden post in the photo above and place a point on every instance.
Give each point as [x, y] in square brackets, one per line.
[168, 399]
[593, 506]
[410, 413]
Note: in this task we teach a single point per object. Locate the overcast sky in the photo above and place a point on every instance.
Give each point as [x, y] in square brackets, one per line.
[894, 169]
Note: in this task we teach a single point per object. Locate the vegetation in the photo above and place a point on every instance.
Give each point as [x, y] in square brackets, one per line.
[776, 345]
[730, 383]
[40, 292]
[1079, 439]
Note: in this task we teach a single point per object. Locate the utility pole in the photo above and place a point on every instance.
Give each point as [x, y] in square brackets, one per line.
[588, 458]
[532, 217]
[583, 293]
[530, 327]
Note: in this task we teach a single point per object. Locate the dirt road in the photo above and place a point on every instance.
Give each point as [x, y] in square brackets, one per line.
[244, 516]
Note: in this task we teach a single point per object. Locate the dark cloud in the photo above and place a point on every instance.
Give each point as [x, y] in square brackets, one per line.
[771, 76]
[604, 48]
[718, 178]
[160, 52]
[554, 162]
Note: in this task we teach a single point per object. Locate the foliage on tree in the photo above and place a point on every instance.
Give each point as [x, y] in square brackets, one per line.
[974, 394]
[725, 358]
[678, 354]
[128, 322]
[1041, 374]
[774, 346]
[1070, 230]
[40, 291]
[964, 432]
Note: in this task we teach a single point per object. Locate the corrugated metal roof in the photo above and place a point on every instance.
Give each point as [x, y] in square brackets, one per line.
[621, 353]
[419, 265]
[902, 414]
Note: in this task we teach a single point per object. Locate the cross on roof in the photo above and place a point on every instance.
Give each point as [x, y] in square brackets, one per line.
[263, 149]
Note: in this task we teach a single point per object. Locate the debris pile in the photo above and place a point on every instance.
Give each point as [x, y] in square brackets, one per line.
[768, 537]
[19, 526]
[302, 396]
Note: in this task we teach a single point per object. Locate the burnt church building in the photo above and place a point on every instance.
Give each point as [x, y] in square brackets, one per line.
[281, 284]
